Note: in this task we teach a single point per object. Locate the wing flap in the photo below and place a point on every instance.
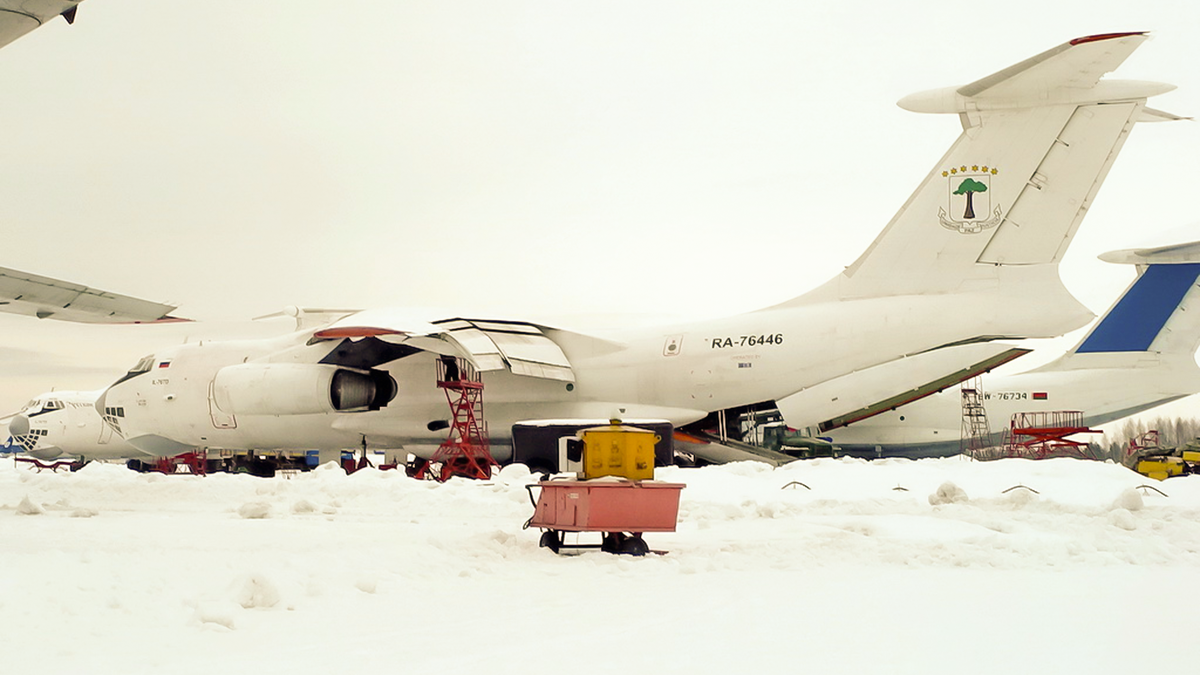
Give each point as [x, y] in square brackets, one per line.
[490, 345]
[522, 347]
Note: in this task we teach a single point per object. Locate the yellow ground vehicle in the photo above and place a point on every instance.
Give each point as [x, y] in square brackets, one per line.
[1160, 463]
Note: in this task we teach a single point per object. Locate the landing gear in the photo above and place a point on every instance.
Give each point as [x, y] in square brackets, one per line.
[253, 466]
[416, 468]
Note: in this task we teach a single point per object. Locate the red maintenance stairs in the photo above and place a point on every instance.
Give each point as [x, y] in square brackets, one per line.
[465, 452]
[614, 494]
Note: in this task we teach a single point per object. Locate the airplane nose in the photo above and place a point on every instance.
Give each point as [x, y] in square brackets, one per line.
[18, 426]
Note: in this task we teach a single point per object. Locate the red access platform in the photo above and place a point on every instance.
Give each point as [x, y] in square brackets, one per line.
[621, 509]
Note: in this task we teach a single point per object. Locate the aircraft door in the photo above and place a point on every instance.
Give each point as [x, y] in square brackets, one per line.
[220, 418]
[106, 432]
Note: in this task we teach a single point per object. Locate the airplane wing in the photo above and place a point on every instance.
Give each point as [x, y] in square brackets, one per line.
[18, 17]
[46, 298]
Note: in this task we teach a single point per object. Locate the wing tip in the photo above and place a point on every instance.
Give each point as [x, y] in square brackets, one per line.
[1099, 37]
[1177, 254]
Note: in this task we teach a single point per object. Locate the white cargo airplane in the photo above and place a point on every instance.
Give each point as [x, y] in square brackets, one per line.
[971, 257]
[1140, 355]
[65, 424]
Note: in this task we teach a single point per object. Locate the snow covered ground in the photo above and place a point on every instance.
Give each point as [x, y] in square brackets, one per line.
[891, 566]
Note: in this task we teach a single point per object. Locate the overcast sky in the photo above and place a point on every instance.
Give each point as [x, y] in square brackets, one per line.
[519, 159]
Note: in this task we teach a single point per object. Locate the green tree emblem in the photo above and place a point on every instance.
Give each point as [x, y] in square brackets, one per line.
[969, 187]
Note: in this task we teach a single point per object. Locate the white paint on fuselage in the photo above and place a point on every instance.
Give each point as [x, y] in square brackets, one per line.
[716, 364]
[1102, 394]
[66, 424]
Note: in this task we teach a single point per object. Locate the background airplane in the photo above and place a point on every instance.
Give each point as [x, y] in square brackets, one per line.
[1139, 355]
[970, 258]
[65, 424]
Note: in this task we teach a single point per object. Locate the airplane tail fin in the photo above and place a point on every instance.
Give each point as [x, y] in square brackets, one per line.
[11, 447]
[999, 210]
[1157, 316]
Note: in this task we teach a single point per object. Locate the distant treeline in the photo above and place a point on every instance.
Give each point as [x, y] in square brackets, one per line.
[1172, 433]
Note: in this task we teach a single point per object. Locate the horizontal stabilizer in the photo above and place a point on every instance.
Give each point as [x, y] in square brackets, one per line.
[1068, 73]
[1162, 255]
[840, 401]
[1079, 63]
[47, 298]
[1153, 115]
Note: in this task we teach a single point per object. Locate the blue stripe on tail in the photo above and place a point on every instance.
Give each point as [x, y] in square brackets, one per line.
[1140, 314]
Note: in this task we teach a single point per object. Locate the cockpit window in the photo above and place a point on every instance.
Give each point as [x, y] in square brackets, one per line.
[54, 404]
[143, 366]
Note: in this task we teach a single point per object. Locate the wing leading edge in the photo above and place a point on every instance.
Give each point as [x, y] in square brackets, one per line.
[47, 298]
[18, 17]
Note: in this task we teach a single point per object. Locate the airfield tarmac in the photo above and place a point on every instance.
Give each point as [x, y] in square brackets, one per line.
[891, 566]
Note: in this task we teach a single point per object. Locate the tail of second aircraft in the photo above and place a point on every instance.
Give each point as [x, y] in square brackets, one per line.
[998, 211]
[1154, 324]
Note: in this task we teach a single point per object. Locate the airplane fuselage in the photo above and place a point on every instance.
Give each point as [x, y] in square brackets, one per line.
[932, 427]
[65, 423]
[679, 373]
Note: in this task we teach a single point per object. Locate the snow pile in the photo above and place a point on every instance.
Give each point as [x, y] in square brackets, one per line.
[1047, 566]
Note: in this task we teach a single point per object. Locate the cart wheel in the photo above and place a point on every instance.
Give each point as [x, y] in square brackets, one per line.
[612, 542]
[635, 546]
[550, 540]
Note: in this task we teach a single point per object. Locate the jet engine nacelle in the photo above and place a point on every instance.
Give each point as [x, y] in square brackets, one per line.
[300, 389]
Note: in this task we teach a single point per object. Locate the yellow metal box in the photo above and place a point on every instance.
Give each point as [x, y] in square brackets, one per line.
[618, 450]
[1160, 470]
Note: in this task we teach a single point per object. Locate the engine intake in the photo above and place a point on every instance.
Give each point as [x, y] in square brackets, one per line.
[300, 389]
